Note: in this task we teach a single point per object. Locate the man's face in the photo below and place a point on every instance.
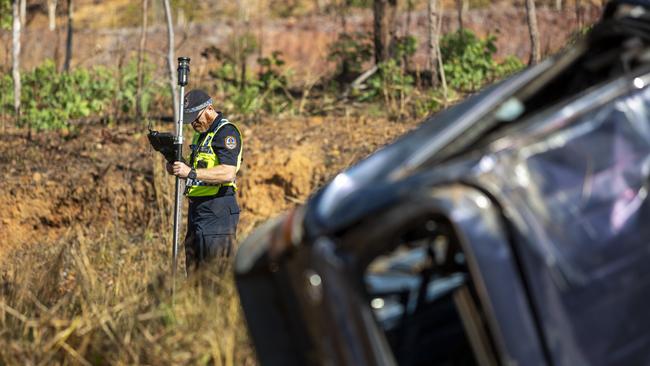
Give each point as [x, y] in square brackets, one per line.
[202, 122]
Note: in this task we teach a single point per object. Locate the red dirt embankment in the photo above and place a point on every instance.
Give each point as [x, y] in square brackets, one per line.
[106, 178]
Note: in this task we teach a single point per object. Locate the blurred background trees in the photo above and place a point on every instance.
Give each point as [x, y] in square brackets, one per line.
[114, 61]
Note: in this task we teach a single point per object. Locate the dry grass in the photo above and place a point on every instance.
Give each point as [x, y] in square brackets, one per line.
[104, 301]
[101, 296]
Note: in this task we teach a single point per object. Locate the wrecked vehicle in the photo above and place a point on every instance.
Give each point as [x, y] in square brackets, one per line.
[510, 229]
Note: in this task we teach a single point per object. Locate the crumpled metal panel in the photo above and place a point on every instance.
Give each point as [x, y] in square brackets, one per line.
[495, 273]
[575, 186]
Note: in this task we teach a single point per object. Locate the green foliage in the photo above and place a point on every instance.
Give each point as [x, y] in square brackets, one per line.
[7, 97]
[270, 75]
[509, 66]
[359, 3]
[286, 8]
[233, 59]
[246, 100]
[405, 47]
[51, 99]
[190, 8]
[5, 14]
[242, 46]
[391, 85]
[578, 34]
[350, 51]
[479, 3]
[245, 93]
[469, 63]
[126, 93]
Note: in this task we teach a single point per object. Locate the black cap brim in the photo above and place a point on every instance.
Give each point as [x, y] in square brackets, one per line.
[190, 117]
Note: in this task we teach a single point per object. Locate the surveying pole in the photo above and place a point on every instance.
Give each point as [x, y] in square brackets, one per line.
[183, 77]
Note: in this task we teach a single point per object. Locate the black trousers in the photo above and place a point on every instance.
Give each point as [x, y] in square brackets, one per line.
[211, 231]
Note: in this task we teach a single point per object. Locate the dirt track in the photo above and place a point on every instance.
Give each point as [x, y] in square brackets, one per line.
[100, 177]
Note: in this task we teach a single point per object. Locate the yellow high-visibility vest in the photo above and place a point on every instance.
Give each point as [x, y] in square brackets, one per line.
[203, 152]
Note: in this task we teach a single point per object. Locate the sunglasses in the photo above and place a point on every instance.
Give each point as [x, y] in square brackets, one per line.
[199, 116]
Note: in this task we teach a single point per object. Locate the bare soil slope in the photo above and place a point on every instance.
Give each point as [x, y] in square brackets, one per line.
[103, 178]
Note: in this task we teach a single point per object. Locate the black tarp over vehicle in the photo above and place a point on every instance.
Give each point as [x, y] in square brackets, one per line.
[514, 231]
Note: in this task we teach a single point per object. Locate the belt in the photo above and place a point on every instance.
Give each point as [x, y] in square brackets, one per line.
[223, 192]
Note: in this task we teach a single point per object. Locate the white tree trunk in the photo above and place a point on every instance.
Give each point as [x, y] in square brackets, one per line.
[51, 13]
[180, 17]
[23, 12]
[320, 6]
[558, 5]
[68, 41]
[434, 32]
[170, 57]
[15, 70]
[534, 32]
[143, 41]
[441, 69]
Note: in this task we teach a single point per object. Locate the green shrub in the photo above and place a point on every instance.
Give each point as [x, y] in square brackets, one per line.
[51, 99]
[468, 61]
[270, 76]
[126, 93]
[509, 66]
[392, 85]
[248, 93]
[7, 97]
[359, 3]
[5, 14]
[350, 52]
[405, 47]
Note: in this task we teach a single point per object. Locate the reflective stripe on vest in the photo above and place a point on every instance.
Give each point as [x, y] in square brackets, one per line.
[205, 153]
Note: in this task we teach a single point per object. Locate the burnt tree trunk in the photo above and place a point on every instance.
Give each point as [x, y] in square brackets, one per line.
[384, 26]
[578, 10]
[68, 42]
[461, 8]
[407, 32]
[534, 32]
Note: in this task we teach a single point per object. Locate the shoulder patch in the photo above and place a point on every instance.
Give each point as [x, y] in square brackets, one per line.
[230, 142]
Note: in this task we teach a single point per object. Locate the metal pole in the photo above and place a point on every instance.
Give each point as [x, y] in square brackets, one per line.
[183, 76]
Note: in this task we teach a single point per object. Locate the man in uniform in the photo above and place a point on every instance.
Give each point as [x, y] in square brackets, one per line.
[216, 154]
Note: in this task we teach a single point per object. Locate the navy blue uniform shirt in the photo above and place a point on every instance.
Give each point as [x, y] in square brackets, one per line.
[227, 145]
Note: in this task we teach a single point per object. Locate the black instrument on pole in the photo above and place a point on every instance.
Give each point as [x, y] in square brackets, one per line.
[171, 146]
[183, 77]
[163, 142]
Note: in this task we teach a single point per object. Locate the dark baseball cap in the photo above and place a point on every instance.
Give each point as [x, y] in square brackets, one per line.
[195, 101]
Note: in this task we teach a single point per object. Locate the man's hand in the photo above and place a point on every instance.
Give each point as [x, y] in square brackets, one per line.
[180, 169]
[169, 168]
